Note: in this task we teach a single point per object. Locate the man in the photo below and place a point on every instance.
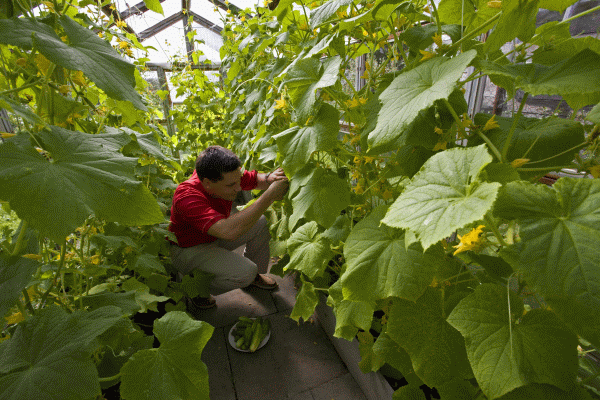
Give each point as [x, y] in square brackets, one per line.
[207, 231]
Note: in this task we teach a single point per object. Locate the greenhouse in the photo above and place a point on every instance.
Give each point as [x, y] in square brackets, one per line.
[278, 199]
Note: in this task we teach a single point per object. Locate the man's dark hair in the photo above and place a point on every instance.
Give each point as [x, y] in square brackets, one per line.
[214, 161]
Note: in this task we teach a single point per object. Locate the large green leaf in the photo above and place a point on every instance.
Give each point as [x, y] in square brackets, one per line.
[125, 301]
[307, 300]
[144, 299]
[436, 349]
[173, 370]
[556, 5]
[318, 195]
[349, 315]
[594, 114]
[85, 51]
[305, 77]
[469, 13]
[414, 91]
[576, 79]
[15, 274]
[85, 176]
[556, 43]
[511, 350]
[322, 13]
[49, 356]
[298, 143]
[444, 196]
[309, 250]
[154, 5]
[380, 265]
[517, 21]
[560, 246]
[535, 139]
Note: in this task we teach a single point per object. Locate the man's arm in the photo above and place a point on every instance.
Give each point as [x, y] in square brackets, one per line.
[239, 223]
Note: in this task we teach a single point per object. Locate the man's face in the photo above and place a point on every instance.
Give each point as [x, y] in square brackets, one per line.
[227, 188]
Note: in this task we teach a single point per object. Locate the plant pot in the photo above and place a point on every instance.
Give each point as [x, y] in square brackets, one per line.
[373, 384]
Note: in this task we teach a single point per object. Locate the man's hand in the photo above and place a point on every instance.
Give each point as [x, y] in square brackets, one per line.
[278, 188]
[276, 175]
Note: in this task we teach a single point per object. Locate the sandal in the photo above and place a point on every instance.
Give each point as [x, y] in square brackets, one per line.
[260, 282]
[201, 303]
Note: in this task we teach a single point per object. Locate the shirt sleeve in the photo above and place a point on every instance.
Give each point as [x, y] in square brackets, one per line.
[249, 180]
[198, 212]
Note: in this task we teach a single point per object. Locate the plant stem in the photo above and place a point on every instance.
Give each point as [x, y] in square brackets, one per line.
[19, 88]
[491, 145]
[513, 127]
[492, 225]
[109, 378]
[28, 302]
[19, 244]
[474, 32]
[63, 251]
[543, 168]
[559, 154]
[437, 18]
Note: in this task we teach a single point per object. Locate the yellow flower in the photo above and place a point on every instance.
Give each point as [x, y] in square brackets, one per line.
[519, 162]
[314, 4]
[228, 11]
[357, 160]
[369, 159]
[359, 189]
[64, 89]
[303, 26]
[100, 34]
[437, 39]
[32, 256]
[14, 319]
[21, 62]
[440, 146]
[280, 103]
[243, 18]
[123, 45]
[341, 14]
[112, 7]
[387, 195]
[426, 55]
[466, 122]
[95, 259]
[78, 78]
[6, 135]
[471, 241]
[491, 124]
[121, 24]
[437, 130]
[355, 140]
[352, 103]
[595, 171]
[495, 4]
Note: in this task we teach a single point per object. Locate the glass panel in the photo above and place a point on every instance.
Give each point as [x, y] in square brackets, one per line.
[168, 43]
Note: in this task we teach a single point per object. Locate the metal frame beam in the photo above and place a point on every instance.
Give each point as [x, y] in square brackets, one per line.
[116, 15]
[206, 23]
[136, 9]
[162, 25]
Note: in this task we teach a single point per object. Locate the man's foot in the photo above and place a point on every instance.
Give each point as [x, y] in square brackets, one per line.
[264, 282]
[201, 303]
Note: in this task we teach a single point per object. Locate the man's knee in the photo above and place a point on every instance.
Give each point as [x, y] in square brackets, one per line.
[248, 274]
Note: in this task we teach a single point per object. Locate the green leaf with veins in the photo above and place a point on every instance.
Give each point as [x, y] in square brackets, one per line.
[436, 349]
[86, 175]
[154, 5]
[468, 13]
[145, 300]
[15, 273]
[298, 143]
[380, 266]
[303, 80]
[125, 301]
[321, 198]
[350, 316]
[594, 114]
[518, 20]
[85, 52]
[535, 139]
[445, 195]
[506, 350]
[560, 246]
[49, 355]
[576, 79]
[307, 300]
[322, 13]
[556, 44]
[309, 251]
[414, 91]
[173, 370]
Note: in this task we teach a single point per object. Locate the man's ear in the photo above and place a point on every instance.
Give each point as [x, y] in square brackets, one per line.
[206, 183]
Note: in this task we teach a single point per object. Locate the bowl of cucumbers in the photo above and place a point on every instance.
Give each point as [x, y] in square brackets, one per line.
[250, 334]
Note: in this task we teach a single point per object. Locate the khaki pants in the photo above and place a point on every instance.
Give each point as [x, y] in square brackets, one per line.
[231, 270]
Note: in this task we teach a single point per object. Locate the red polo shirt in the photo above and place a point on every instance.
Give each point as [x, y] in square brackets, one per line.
[194, 211]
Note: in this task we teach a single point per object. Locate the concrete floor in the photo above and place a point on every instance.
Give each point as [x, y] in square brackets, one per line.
[299, 362]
